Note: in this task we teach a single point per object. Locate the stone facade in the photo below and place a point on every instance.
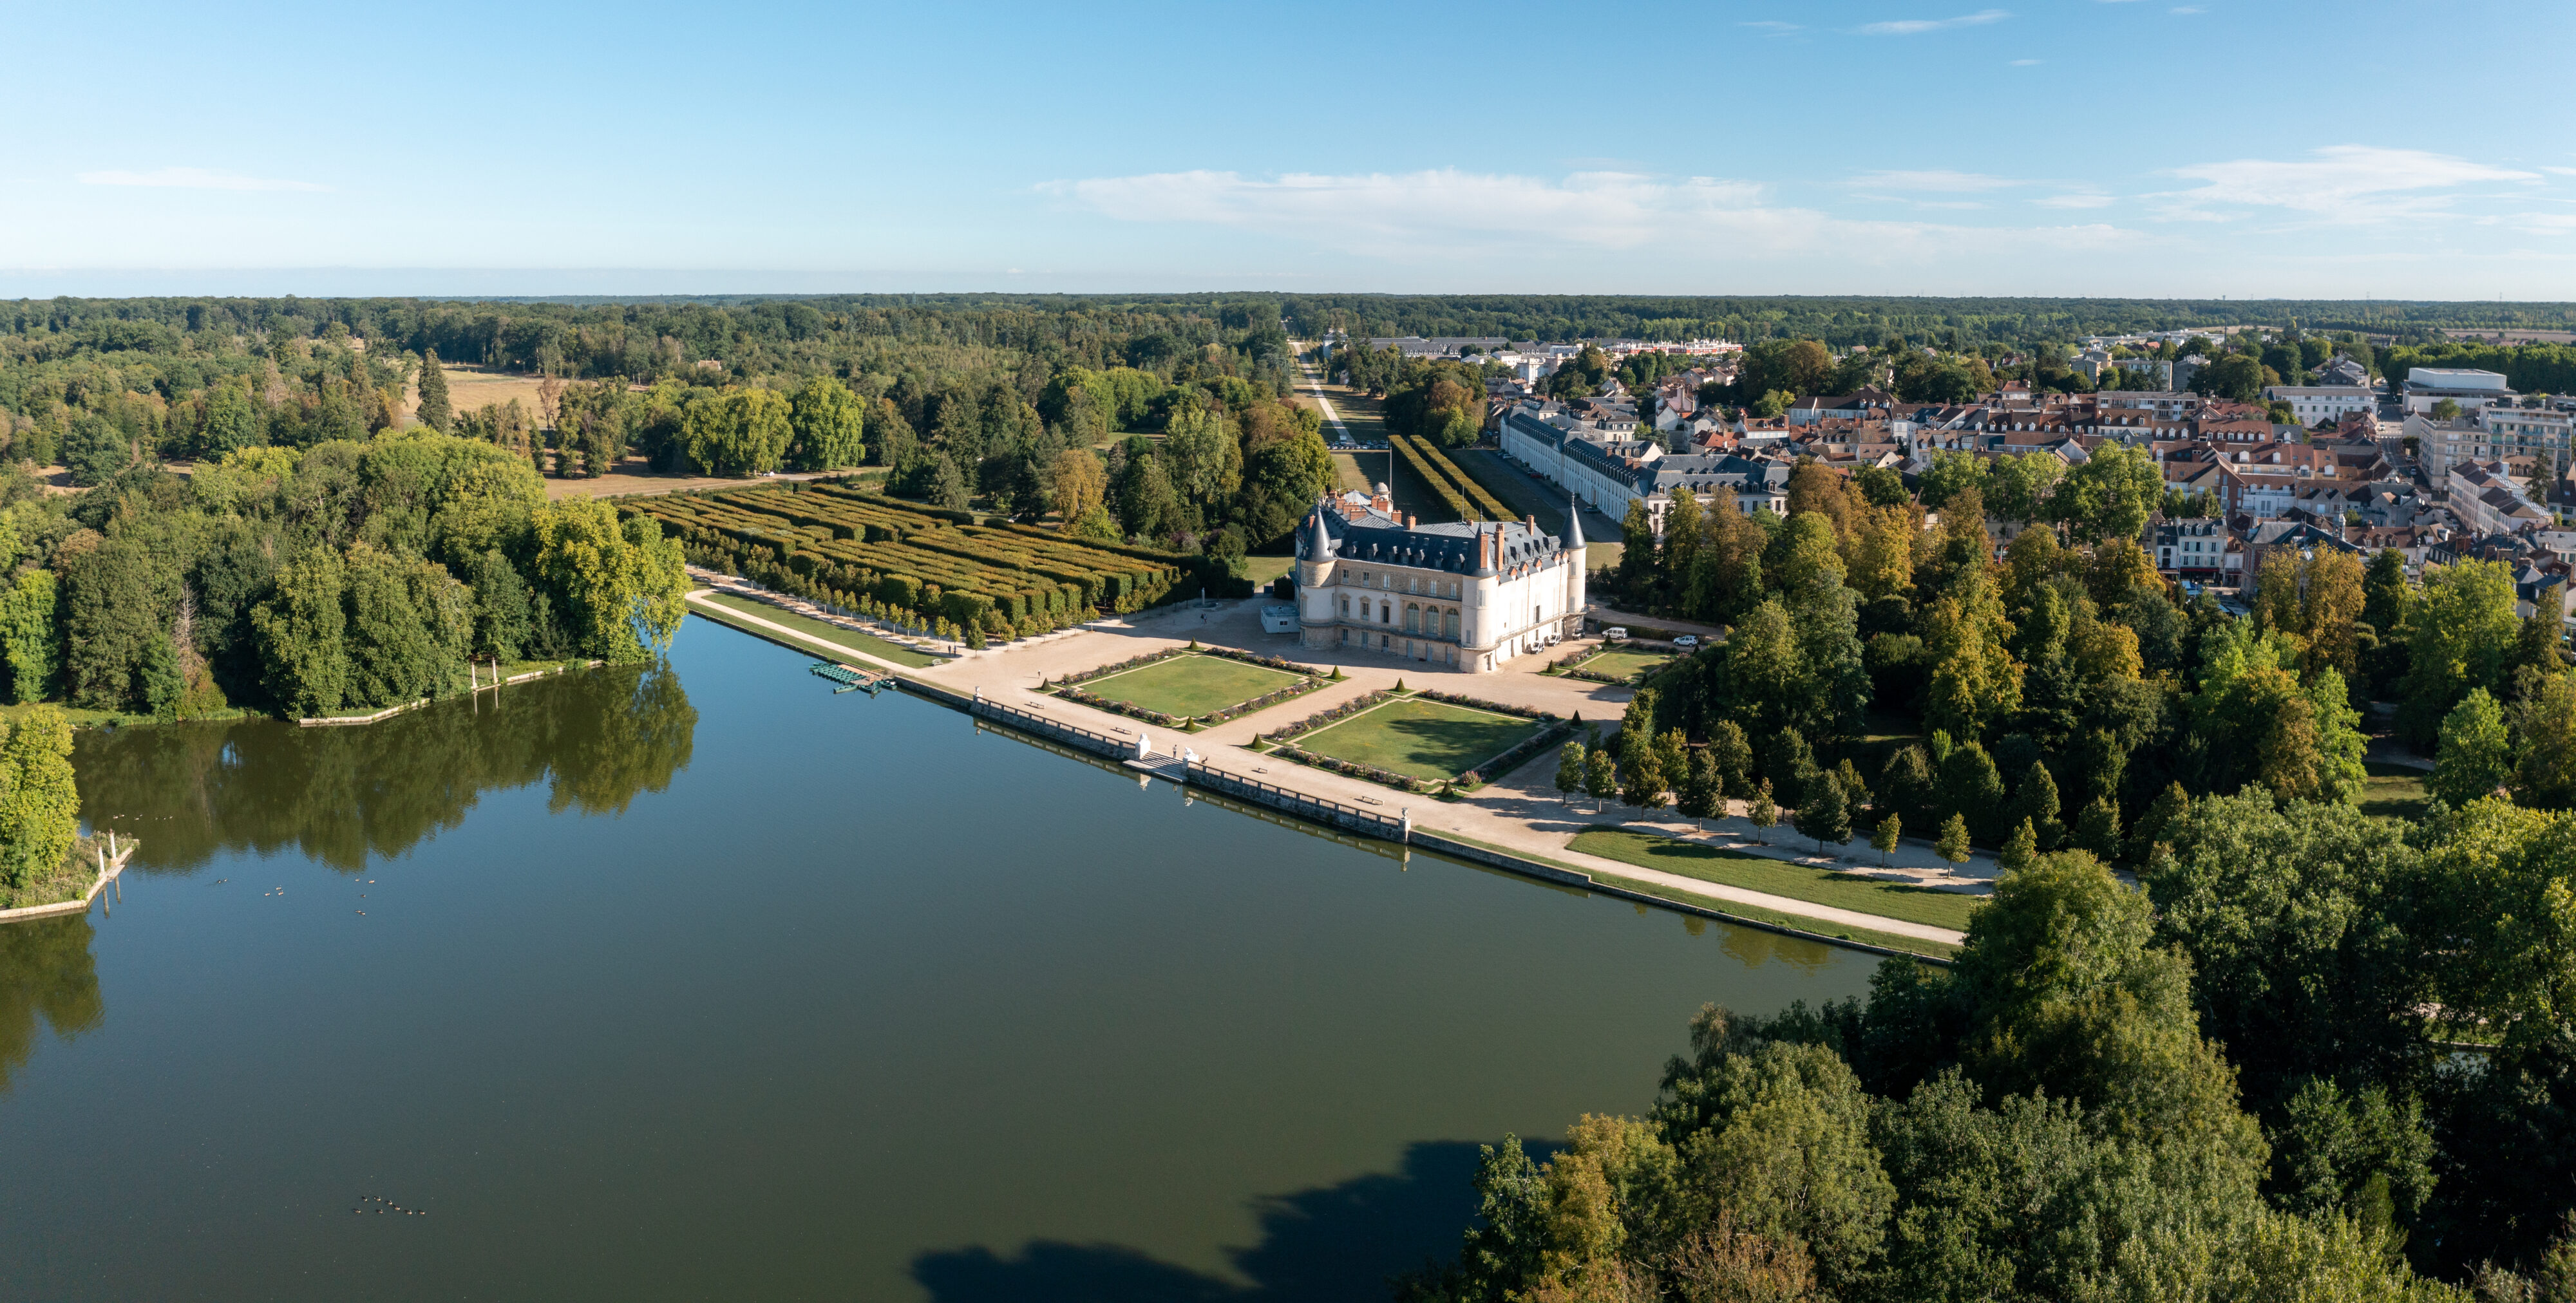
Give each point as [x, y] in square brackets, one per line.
[1456, 596]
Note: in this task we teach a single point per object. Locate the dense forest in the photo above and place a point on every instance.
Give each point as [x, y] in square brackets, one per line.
[2321, 1051]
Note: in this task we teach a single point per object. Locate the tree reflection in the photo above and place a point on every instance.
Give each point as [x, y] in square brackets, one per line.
[340, 795]
[45, 972]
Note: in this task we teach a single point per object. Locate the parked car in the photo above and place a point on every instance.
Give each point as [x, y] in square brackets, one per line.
[1687, 641]
[1614, 633]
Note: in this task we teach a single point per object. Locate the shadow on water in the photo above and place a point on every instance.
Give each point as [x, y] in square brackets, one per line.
[343, 794]
[1337, 1242]
[45, 974]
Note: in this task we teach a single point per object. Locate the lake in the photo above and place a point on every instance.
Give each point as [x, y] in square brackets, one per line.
[701, 981]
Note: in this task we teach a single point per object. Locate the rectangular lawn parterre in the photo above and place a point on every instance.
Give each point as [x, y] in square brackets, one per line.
[1430, 740]
[1621, 662]
[1190, 686]
[1816, 886]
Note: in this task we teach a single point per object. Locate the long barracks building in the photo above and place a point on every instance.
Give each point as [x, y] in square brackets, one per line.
[1461, 596]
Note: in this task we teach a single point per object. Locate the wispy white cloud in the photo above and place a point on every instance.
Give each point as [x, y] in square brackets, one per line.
[2562, 171]
[2187, 9]
[1773, 27]
[1454, 214]
[1937, 181]
[2342, 182]
[192, 178]
[1917, 26]
[2074, 201]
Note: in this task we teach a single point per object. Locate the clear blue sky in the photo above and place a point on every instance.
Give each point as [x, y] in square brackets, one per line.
[2071, 147]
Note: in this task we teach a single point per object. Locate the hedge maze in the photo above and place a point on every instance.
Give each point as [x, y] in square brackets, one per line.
[921, 565]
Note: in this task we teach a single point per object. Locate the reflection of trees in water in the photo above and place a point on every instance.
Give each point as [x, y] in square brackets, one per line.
[45, 971]
[342, 794]
[1324, 1245]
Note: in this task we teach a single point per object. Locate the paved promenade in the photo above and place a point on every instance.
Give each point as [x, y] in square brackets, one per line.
[1520, 811]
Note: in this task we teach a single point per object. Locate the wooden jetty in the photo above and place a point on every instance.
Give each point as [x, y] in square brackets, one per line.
[852, 678]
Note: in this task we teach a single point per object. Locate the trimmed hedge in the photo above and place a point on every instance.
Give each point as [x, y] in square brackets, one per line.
[1440, 486]
[1475, 492]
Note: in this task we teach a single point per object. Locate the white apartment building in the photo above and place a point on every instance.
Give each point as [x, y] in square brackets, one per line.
[2485, 498]
[2489, 433]
[2429, 385]
[2310, 404]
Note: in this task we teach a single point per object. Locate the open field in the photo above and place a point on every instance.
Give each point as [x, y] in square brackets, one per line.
[1531, 498]
[1431, 740]
[470, 387]
[1817, 886]
[866, 644]
[1625, 663]
[2393, 790]
[1190, 686]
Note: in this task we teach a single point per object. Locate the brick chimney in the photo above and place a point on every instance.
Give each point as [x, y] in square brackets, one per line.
[1408, 520]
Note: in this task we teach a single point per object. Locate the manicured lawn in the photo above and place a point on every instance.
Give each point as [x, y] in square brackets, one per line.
[1430, 740]
[2393, 790]
[1816, 886]
[1262, 569]
[1623, 663]
[1190, 686]
[865, 644]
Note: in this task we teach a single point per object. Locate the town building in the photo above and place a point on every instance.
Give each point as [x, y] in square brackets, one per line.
[2310, 404]
[1462, 596]
[2427, 386]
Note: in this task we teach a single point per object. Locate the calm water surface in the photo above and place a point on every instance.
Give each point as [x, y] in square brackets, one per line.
[703, 982]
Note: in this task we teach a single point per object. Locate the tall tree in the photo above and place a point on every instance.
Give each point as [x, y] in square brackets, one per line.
[434, 410]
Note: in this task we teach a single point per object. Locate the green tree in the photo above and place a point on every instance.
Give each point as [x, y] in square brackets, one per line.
[737, 432]
[1826, 815]
[434, 411]
[31, 635]
[622, 588]
[1970, 786]
[2111, 495]
[1953, 842]
[2459, 633]
[1600, 777]
[2097, 829]
[1642, 780]
[1975, 680]
[1569, 771]
[2475, 754]
[96, 450]
[828, 424]
[1733, 757]
[1883, 838]
[303, 652]
[39, 800]
[1762, 812]
[2544, 730]
[2021, 850]
[1702, 792]
[116, 599]
[2036, 804]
